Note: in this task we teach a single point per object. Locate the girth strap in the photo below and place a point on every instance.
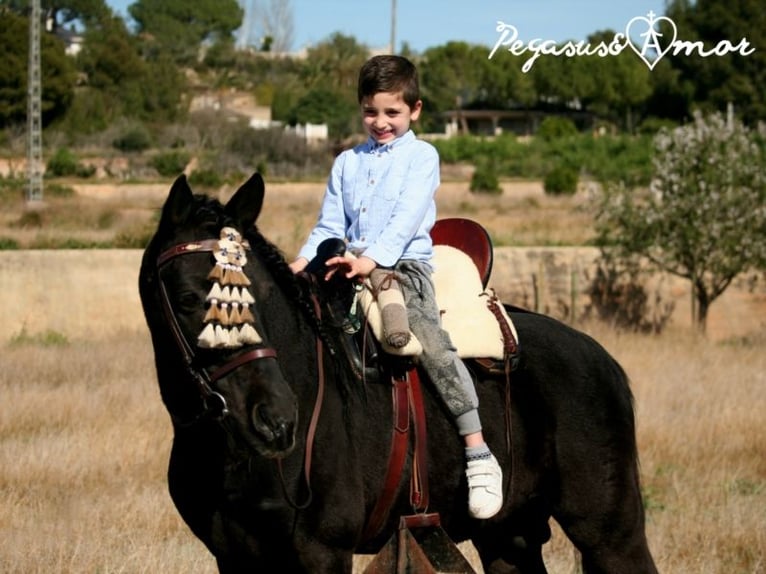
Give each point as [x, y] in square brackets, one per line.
[408, 411]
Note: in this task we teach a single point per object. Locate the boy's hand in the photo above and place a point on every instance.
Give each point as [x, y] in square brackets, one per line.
[299, 264]
[360, 267]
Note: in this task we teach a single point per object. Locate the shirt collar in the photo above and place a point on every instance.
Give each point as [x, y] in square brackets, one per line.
[374, 147]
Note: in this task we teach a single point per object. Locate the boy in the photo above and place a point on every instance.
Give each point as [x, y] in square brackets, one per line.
[380, 198]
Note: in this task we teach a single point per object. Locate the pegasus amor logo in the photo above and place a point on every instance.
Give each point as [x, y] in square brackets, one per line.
[658, 38]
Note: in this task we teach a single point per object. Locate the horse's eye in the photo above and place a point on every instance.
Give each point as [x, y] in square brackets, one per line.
[189, 301]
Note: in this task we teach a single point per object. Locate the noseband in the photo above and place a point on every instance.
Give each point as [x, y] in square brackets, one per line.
[211, 399]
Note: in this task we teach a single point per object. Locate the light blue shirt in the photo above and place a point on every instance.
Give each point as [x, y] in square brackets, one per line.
[380, 198]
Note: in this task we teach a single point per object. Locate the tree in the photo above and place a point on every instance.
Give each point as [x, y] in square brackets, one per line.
[322, 106]
[328, 78]
[704, 215]
[58, 74]
[732, 78]
[618, 84]
[180, 27]
[278, 25]
[67, 12]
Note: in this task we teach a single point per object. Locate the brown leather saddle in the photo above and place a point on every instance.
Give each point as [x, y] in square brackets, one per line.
[365, 354]
[470, 238]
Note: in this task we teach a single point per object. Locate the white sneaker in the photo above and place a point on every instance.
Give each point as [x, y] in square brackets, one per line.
[485, 487]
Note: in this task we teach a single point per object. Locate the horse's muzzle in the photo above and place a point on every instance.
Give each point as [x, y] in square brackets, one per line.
[276, 429]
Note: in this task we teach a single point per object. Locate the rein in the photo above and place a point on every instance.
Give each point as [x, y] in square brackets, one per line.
[212, 400]
[311, 433]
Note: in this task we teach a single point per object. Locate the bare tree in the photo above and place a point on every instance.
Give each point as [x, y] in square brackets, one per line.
[277, 20]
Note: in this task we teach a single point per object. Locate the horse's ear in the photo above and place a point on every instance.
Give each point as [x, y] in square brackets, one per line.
[178, 204]
[245, 205]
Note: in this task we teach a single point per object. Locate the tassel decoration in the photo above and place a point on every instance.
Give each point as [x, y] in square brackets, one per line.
[221, 336]
[247, 334]
[246, 315]
[229, 322]
[245, 297]
[234, 316]
[206, 338]
[223, 315]
[215, 293]
[212, 313]
[234, 339]
[215, 273]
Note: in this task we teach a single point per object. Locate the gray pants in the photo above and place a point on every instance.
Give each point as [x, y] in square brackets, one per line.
[439, 359]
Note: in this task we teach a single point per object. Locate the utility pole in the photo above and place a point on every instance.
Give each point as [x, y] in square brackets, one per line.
[393, 27]
[34, 119]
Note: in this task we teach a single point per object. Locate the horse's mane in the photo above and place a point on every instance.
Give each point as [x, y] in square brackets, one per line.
[299, 291]
[273, 259]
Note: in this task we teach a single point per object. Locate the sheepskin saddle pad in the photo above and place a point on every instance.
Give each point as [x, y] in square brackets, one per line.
[475, 331]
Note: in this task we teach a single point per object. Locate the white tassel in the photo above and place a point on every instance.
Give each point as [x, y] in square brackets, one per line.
[226, 295]
[215, 292]
[246, 297]
[223, 315]
[206, 338]
[236, 295]
[221, 336]
[233, 338]
[247, 334]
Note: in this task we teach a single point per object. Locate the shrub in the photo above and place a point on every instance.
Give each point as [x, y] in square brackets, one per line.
[7, 244]
[555, 127]
[561, 180]
[205, 178]
[170, 164]
[62, 163]
[135, 139]
[29, 219]
[65, 163]
[619, 296]
[484, 179]
[49, 338]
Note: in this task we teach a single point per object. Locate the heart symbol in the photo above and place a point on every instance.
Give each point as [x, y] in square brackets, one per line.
[651, 37]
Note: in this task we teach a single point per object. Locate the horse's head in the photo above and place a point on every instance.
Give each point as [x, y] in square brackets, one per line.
[199, 287]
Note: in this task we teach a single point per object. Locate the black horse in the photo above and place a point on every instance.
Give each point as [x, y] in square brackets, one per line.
[239, 474]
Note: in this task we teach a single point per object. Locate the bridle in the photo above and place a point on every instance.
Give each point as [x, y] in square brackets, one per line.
[204, 380]
[213, 401]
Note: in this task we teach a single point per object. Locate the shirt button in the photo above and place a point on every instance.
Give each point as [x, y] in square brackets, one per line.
[364, 210]
[372, 181]
[362, 239]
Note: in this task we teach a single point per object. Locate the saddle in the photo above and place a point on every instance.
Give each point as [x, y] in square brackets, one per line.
[478, 324]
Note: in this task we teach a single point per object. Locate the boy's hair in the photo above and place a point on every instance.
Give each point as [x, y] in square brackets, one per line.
[389, 74]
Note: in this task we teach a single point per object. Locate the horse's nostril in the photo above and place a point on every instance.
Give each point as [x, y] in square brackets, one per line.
[262, 422]
[273, 427]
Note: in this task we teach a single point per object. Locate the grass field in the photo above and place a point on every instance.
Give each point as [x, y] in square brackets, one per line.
[84, 442]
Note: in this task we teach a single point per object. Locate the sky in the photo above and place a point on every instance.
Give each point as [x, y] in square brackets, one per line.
[429, 23]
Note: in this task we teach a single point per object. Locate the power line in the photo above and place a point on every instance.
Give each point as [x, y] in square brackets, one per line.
[34, 115]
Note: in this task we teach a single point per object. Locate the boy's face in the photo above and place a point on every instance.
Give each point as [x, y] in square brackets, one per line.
[387, 116]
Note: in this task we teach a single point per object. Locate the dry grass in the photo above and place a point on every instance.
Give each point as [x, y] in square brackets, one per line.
[84, 441]
[99, 213]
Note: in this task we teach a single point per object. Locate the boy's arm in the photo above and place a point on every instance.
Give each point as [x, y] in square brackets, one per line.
[332, 218]
[412, 208]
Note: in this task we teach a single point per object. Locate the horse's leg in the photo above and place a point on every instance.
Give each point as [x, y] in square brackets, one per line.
[606, 523]
[506, 550]
[514, 556]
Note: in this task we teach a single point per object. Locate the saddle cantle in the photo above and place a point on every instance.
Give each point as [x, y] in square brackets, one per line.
[469, 237]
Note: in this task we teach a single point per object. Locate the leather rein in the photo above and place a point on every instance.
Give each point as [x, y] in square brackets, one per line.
[212, 400]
